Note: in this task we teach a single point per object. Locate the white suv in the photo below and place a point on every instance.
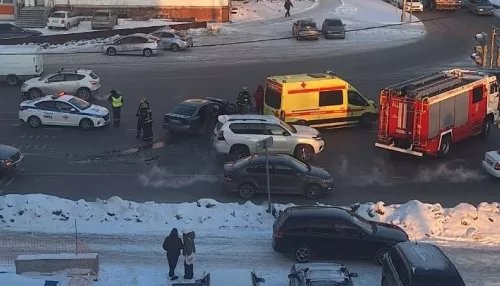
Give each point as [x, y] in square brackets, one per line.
[237, 136]
[79, 82]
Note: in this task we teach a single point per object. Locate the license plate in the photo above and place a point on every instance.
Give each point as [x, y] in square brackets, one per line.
[55, 21]
[489, 161]
[176, 121]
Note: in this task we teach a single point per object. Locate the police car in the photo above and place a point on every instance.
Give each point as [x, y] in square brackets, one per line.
[63, 110]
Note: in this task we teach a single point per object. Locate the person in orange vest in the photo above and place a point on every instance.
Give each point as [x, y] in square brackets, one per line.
[259, 99]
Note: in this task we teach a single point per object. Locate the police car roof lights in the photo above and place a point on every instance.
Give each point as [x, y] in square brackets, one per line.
[59, 94]
[329, 72]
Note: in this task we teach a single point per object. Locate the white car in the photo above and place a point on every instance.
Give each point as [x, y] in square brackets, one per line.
[63, 19]
[412, 5]
[63, 110]
[491, 163]
[237, 136]
[138, 44]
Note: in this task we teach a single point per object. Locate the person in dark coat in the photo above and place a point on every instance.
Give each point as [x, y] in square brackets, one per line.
[259, 99]
[144, 121]
[116, 100]
[288, 5]
[188, 251]
[173, 246]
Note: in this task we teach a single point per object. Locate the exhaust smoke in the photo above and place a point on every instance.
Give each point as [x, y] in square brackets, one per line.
[161, 178]
[446, 172]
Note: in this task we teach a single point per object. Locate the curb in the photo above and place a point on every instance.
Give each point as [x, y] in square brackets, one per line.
[93, 35]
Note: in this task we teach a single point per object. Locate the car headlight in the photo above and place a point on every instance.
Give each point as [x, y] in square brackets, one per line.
[328, 181]
[5, 162]
[318, 137]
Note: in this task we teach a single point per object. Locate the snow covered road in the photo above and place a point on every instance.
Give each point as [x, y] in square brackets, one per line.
[139, 260]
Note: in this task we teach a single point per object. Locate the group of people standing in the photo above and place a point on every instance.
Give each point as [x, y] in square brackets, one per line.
[244, 98]
[175, 246]
[144, 115]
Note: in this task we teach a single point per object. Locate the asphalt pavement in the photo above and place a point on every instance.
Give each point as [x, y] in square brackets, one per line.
[107, 162]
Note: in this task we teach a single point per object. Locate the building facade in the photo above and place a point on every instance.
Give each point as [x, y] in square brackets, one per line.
[7, 10]
[199, 10]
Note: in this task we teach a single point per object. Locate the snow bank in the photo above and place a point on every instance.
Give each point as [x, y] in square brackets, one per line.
[12, 279]
[245, 11]
[51, 214]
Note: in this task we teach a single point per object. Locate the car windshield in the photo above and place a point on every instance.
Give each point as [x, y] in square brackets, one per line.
[299, 165]
[333, 23]
[58, 15]
[362, 223]
[184, 110]
[483, 2]
[79, 103]
[101, 14]
[288, 126]
[310, 24]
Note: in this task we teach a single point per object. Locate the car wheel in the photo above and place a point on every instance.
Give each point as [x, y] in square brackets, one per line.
[34, 121]
[68, 26]
[174, 47]
[486, 127]
[84, 93]
[13, 80]
[239, 151]
[78, 22]
[147, 53]
[313, 192]
[34, 93]
[86, 124]
[302, 253]
[111, 52]
[246, 191]
[445, 146]
[380, 254]
[304, 152]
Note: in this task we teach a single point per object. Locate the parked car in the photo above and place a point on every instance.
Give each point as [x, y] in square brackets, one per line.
[10, 159]
[63, 19]
[237, 135]
[333, 28]
[104, 19]
[173, 40]
[9, 31]
[305, 29]
[321, 274]
[481, 7]
[415, 264]
[491, 163]
[287, 175]
[309, 231]
[63, 110]
[412, 5]
[225, 277]
[82, 83]
[19, 63]
[141, 44]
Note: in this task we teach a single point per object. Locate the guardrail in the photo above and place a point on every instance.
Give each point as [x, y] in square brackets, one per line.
[64, 38]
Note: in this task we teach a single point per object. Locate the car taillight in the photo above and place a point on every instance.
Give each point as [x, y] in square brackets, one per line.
[227, 177]
[62, 22]
[497, 166]
[278, 234]
[93, 82]
[220, 136]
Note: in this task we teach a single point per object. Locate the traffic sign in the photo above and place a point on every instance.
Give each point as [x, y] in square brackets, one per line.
[264, 144]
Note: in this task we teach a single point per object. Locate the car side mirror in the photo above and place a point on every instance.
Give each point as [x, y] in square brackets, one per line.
[293, 276]
[260, 280]
[47, 81]
[72, 110]
[286, 133]
[353, 275]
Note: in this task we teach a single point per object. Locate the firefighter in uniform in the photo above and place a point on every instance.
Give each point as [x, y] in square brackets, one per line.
[116, 100]
[144, 121]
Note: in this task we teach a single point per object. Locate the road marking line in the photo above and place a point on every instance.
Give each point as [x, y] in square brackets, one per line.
[53, 137]
[36, 147]
[38, 137]
[28, 146]
[22, 137]
[118, 174]
[46, 136]
[16, 124]
[31, 137]
[131, 129]
[44, 146]
[20, 146]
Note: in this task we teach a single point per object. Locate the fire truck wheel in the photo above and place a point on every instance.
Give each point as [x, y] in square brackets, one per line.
[486, 127]
[444, 149]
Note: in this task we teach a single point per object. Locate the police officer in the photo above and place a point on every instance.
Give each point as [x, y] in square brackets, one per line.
[144, 120]
[116, 100]
[243, 99]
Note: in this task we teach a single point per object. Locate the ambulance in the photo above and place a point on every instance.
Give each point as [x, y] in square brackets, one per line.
[317, 100]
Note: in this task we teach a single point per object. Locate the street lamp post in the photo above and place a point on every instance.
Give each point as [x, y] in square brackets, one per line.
[264, 145]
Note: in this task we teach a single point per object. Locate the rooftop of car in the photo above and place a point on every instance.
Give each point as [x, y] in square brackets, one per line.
[275, 158]
[324, 271]
[77, 70]
[231, 277]
[425, 259]
[103, 10]
[194, 102]
[319, 211]
[248, 117]
[303, 77]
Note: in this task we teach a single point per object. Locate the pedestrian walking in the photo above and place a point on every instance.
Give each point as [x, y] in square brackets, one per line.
[116, 100]
[288, 5]
[173, 246]
[259, 99]
[188, 251]
[144, 121]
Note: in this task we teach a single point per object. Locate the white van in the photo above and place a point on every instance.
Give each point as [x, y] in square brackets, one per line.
[19, 63]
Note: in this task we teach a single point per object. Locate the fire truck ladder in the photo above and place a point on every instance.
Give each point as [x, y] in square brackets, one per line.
[417, 125]
[419, 81]
[384, 121]
[428, 90]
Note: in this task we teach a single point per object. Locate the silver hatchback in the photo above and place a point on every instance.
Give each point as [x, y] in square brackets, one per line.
[104, 19]
[305, 29]
[173, 40]
[138, 44]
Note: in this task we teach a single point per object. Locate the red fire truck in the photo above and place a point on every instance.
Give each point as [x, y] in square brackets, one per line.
[426, 115]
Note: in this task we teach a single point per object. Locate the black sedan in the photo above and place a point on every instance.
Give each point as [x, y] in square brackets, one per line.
[9, 31]
[10, 159]
[321, 274]
[287, 176]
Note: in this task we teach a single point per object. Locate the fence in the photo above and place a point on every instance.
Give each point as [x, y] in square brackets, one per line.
[65, 38]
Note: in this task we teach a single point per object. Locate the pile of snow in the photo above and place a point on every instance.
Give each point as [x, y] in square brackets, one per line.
[12, 279]
[85, 26]
[252, 10]
[212, 30]
[51, 214]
